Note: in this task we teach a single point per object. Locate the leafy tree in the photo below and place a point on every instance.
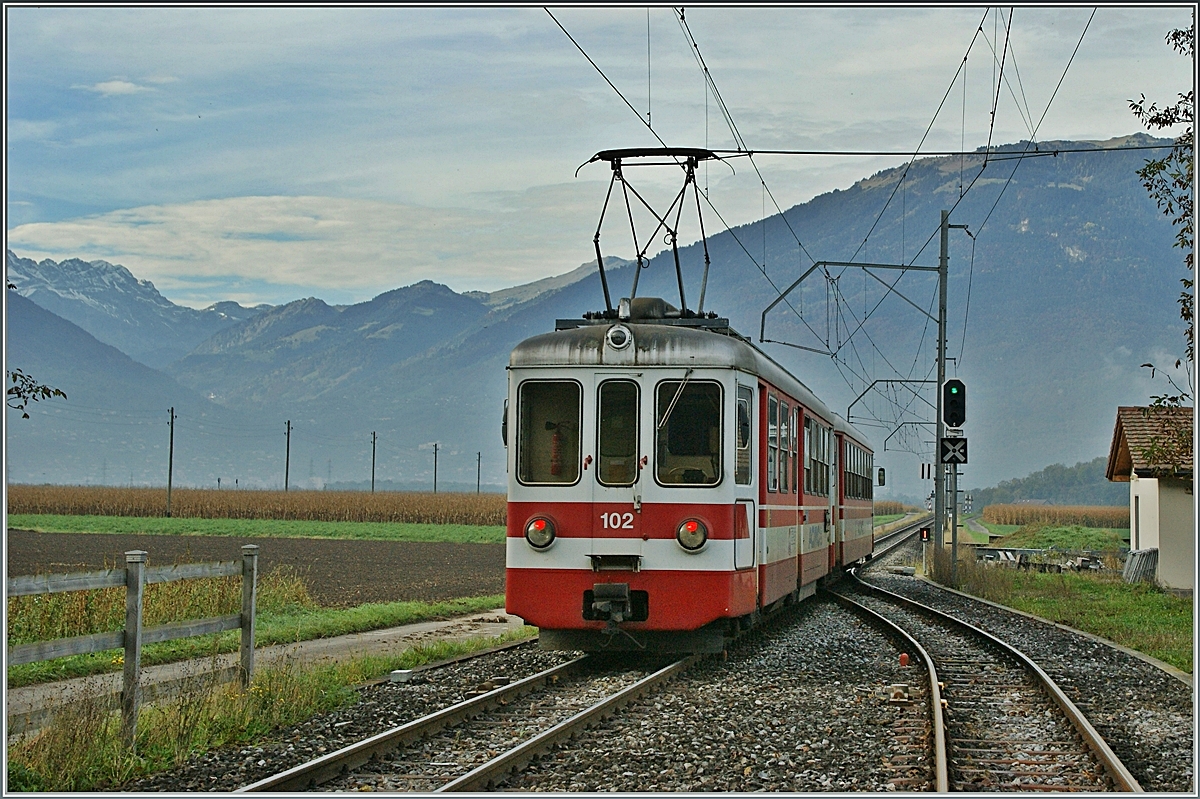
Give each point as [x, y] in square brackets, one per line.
[1169, 181]
[25, 389]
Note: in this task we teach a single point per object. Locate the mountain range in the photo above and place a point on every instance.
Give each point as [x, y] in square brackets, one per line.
[1064, 286]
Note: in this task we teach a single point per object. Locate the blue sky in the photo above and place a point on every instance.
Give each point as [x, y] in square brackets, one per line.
[263, 155]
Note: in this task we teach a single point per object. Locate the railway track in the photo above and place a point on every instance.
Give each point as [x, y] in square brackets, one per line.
[1000, 722]
[476, 743]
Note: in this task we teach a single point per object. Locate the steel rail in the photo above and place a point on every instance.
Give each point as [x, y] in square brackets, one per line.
[334, 764]
[486, 775]
[940, 760]
[900, 534]
[1117, 771]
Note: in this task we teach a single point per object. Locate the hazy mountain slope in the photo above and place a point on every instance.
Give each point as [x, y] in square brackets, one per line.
[110, 303]
[115, 416]
[305, 349]
[1081, 484]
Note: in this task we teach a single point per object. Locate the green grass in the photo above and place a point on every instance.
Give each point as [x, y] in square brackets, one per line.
[1000, 529]
[296, 624]
[1074, 537]
[887, 519]
[1139, 616]
[1136, 615]
[259, 528]
[80, 749]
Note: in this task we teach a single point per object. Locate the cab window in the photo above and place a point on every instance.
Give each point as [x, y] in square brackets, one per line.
[548, 416]
[688, 437]
[617, 441]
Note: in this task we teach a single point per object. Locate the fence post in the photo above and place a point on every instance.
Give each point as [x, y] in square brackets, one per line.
[135, 585]
[249, 595]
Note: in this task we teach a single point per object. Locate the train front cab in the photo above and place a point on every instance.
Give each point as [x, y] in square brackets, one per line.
[624, 533]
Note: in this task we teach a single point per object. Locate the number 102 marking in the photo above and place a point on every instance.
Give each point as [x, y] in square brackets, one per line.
[617, 521]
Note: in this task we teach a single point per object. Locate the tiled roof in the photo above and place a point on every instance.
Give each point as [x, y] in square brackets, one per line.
[1136, 428]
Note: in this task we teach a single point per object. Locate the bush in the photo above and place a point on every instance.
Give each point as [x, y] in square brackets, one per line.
[888, 507]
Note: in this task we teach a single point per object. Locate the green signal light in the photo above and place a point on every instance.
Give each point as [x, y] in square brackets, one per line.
[953, 389]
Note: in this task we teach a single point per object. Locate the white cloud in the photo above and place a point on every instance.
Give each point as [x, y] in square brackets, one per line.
[115, 87]
[30, 130]
[327, 243]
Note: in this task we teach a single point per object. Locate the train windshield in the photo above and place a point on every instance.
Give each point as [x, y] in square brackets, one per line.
[688, 441]
[618, 439]
[548, 416]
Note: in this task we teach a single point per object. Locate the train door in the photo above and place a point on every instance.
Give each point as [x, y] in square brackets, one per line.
[745, 520]
[616, 470]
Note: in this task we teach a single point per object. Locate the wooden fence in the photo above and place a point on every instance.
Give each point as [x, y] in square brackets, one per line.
[135, 577]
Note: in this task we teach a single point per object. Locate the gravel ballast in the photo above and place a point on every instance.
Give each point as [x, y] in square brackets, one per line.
[799, 707]
[1144, 713]
[382, 707]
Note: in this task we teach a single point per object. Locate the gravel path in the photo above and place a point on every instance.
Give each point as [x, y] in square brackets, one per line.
[1144, 713]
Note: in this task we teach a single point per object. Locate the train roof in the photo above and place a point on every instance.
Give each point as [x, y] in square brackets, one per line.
[705, 342]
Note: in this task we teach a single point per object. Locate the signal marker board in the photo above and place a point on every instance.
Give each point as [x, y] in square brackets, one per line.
[954, 450]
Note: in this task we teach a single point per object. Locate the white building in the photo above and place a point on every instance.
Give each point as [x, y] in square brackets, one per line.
[1161, 497]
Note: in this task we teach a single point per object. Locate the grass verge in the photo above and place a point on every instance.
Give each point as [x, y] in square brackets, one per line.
[287, 625]
[80, 749]
[258, 528]
[1074, 537]
[887, 518]
[1139, 616]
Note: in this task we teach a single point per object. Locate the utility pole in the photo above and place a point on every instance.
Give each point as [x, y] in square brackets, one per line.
[287, 456]
[939, 475]
[954, 527]
[435, 449]
[478, 467]
[170, 459]
[372, 461]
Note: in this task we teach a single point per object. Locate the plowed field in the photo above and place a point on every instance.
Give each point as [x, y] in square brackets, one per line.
[338, 573]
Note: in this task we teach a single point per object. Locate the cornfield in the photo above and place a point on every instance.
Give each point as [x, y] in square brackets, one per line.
[888, 507]
[198, 503]
[1110, 516]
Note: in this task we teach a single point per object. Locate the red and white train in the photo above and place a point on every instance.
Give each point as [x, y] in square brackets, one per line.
[669, 482]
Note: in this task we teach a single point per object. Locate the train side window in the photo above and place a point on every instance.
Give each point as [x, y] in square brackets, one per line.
[548, 418]
[785, 413]
[741, 469]
[796, 460]
[809, 443]
[688, 439]
[772, 444]
[617, 442]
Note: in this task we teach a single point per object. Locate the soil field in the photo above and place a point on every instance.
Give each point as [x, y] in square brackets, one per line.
[338, 573]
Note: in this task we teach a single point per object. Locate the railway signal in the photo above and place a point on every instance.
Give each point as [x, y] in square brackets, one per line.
[954, 403]
[925, 534]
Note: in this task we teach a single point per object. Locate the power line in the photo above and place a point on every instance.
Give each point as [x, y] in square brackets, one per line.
[637, 113]
[924, 136]
[937, 153]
